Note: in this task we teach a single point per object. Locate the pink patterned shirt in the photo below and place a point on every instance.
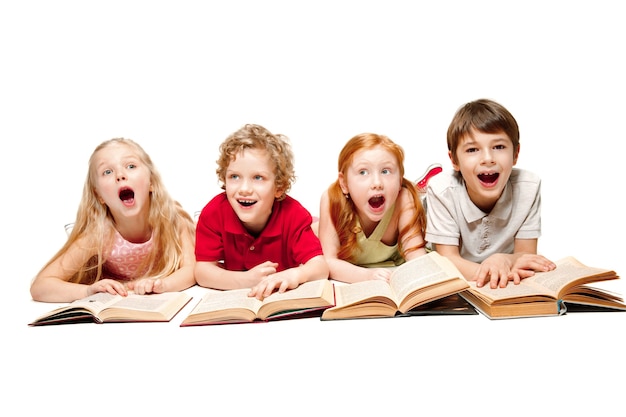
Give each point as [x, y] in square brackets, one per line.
[125, 258]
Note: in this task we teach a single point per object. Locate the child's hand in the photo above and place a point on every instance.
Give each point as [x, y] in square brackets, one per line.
[147, 286]
[383, 274]
[497, 270]
[537, 263]
[107, 285]
[281, 282]
[262, 271]
[527, 264]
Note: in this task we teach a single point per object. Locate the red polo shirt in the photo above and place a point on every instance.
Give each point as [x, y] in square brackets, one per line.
[286, 239]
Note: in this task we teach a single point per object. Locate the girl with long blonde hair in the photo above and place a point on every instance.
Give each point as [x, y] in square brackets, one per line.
[129, 234]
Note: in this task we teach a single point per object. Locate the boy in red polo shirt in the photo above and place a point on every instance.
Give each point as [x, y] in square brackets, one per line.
[253, 235]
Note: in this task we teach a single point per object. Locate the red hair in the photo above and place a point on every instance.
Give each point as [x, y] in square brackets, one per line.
[342, 211]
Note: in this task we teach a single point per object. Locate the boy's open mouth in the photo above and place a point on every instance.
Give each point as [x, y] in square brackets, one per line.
[488, 178]
[376, 201]
[246, 203]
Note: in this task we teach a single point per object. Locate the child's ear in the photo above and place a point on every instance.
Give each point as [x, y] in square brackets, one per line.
[278, 194]
[453, 160]
[342, 183]
[515, 155]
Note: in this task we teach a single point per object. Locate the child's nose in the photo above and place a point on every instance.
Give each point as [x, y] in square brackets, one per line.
[245, 186]
[377, 181]
[487, 156]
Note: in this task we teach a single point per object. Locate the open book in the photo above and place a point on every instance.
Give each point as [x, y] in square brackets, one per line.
[413, 284]
[548, 293]
[104, 307]
[235, 306]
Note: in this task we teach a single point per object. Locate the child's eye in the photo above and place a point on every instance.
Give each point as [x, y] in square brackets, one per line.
[258, 177]
[386, 171]
[499, 147]
[131, 166]
[471, 150]
[107, 172]
[363, 172]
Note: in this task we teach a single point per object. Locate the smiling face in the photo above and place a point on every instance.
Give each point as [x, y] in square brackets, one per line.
[122, 181]
[251, 188]
[373, 181]
[485, 160]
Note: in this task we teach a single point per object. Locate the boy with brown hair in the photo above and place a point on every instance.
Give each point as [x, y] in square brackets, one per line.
[485, 215]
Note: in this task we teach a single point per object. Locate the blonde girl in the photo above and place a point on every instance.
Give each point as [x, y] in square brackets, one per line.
[129, 234]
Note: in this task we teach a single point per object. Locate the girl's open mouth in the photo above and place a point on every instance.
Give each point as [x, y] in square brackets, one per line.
[377, 201]
[127, 196]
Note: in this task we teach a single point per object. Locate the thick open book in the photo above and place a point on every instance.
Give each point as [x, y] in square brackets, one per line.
[548, 293]
[235, 306]
[104, 307]
[412, 285]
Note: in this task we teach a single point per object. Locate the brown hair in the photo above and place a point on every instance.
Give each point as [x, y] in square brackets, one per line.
[485, 116]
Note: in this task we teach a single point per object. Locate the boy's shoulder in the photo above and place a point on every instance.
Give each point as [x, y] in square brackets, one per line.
[218, 199]
[289, 203]
[521, 175]
[445, 180]
[288, 213]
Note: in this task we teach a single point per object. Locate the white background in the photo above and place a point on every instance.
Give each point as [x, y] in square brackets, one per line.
[178, 77]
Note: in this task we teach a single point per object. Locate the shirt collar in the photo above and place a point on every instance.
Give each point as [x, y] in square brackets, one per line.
[234, 225]
[501, 210]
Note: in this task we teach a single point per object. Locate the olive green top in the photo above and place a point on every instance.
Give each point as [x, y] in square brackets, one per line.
[373, 252]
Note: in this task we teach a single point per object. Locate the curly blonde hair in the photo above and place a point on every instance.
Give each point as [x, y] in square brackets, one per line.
[252, 136]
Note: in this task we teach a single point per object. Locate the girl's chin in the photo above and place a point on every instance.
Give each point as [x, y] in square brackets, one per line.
[374, 214]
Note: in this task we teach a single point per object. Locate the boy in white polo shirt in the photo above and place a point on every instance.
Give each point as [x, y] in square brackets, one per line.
[485, 215]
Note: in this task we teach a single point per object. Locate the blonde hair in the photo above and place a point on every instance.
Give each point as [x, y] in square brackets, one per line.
[342, 210]
[94, 225]
[252, 136]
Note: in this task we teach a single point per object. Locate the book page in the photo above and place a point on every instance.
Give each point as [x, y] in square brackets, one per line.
[356, 292]
[567, 271]
[91, 305]
[310, 289]
[420, 273]
[309, 295]
[96, 302]
[524, 289]
[148, 302]
[216, 300]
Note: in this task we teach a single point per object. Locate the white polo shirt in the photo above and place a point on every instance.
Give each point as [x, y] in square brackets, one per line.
[453, 219]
